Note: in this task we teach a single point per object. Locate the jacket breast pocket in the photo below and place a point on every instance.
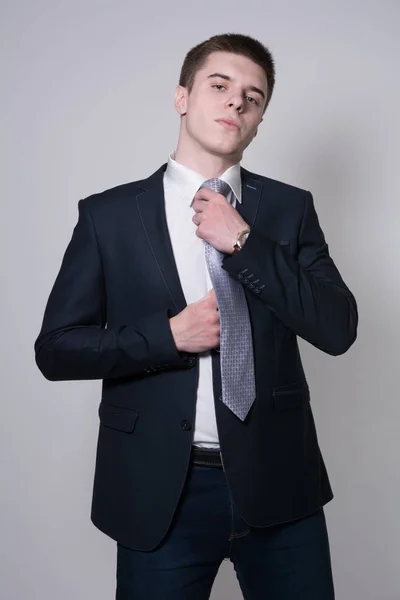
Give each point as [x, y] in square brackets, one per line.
[290, 396]
[118, 417]
[288, 245]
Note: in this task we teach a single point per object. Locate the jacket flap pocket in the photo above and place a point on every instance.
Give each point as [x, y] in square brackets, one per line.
[118, 417]
[290, 396]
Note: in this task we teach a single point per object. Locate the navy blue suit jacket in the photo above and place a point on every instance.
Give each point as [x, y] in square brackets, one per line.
[107, 318]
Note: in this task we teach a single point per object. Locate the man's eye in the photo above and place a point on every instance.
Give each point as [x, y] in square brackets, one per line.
[252, 99]
[218, 85]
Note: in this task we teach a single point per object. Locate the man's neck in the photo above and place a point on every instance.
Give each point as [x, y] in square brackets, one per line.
[208, 165]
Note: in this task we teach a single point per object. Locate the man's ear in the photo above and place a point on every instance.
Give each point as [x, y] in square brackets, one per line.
[181, 95]
[256, 131]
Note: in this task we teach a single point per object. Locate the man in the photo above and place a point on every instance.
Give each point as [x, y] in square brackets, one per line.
[185, 292]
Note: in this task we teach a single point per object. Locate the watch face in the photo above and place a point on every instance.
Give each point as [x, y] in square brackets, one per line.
[243, 237]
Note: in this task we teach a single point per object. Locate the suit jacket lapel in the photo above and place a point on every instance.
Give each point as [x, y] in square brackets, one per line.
[251, 195]
[151, 206]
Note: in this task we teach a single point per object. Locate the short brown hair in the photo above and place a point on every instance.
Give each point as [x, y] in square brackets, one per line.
[235, 43]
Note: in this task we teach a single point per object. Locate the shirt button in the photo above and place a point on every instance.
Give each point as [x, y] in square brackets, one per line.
[191, 361]
[186, 425]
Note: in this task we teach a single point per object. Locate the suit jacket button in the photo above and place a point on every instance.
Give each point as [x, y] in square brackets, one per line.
[186, 425]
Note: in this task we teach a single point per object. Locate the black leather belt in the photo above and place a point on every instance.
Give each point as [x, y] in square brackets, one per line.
[206, 457]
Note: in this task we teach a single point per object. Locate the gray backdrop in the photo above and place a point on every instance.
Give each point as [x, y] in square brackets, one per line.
[87, 90]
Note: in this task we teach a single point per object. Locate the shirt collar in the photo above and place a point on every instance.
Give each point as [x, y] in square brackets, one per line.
[189, 181]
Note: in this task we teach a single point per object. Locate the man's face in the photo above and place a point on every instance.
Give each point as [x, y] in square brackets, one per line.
[228, 86]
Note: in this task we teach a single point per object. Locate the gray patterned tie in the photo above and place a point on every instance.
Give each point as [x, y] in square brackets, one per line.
[236, 344]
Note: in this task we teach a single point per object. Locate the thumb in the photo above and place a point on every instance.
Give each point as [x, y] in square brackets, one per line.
[211, 295]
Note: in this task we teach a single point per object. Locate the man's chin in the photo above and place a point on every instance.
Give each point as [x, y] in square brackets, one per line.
[225, 151]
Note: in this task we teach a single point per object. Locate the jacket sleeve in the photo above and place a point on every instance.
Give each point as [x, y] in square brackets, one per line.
[305, 292]
[75, 343]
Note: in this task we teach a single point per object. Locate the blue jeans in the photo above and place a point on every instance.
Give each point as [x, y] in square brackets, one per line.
[283, 562]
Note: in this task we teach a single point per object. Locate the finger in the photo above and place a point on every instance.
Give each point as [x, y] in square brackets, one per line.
[213, 299]
[211, 296]
[205, 194]
[198, 204]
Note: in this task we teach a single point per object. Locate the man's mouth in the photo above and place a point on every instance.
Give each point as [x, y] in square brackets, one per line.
[228, 124]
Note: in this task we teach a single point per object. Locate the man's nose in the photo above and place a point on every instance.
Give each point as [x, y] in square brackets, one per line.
[235, 102]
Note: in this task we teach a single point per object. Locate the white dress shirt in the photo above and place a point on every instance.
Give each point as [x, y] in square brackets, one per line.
[180, 187]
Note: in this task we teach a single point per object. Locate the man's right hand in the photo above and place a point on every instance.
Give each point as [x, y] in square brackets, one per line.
[197, 327]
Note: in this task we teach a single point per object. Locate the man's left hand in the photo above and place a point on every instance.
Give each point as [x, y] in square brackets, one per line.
[218, 223]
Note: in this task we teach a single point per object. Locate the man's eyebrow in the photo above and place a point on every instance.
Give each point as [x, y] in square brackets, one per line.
[252, 88]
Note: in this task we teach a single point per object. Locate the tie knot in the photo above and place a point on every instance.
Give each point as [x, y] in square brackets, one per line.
[218, 185]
